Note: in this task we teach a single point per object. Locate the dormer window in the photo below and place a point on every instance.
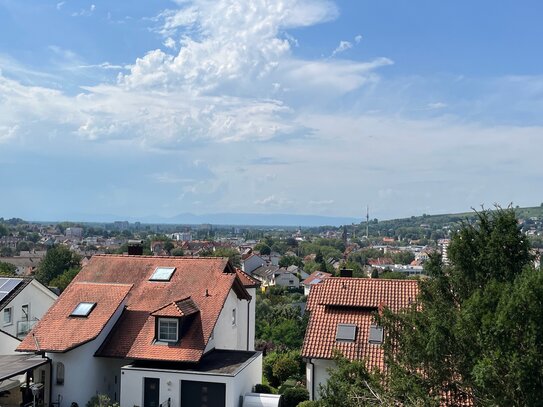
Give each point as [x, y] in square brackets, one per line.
[168, 330]
[162, 274]
[172, 319]
[83, 309]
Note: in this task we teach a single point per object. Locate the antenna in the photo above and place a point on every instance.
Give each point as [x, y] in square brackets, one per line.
[367, 221]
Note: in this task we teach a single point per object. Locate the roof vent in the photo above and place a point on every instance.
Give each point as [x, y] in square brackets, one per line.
[376, 335]
[346, 332]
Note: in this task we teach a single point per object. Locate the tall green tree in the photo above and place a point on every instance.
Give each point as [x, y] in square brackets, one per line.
[57, 260]
[475, 331]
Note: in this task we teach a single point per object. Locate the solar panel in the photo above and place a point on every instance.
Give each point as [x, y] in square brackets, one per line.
[7, 285]
[162, 274]
[346, 332]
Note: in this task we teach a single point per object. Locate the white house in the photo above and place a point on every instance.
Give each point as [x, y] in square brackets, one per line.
[316, 277]
[151, 331]
[23, 301]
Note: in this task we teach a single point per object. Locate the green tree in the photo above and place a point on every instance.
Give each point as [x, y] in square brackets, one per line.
[293, 396]
[62, 281]
[262, 248]
[7, 269]
[474, 331]
[168, 246]
[57, 260]
[286, 261]
[177, 252]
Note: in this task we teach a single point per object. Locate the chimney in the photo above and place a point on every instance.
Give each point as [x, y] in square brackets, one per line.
[135, 247]
[345, 272]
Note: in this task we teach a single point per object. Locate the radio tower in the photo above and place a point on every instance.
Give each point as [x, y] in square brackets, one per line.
[367, 222]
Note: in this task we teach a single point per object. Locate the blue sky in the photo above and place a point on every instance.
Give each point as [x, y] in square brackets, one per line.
[154, 108]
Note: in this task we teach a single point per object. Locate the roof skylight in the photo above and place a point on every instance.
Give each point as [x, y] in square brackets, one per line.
[346, 332]
[83, 309]
[162, 274]
[376, 335]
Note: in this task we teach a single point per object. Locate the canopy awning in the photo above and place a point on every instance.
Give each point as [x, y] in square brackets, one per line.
[14, 365]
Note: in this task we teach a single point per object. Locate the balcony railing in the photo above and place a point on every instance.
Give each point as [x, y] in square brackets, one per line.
[24, 327]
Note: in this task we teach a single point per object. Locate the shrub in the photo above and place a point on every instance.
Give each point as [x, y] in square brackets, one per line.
[264, 388]
[294, 395]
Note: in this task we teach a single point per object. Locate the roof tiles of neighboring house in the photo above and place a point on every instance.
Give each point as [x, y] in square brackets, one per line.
[265, 272]
[340, 300]
[59, 331]
[316, 277]
[207, 281]
[380, 261]
[247, 280]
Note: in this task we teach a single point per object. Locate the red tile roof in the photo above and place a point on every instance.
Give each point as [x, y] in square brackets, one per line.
[247, 280]
[177, 309]
[207, 281]
[340, 300]
[316, 277]
[57, 331]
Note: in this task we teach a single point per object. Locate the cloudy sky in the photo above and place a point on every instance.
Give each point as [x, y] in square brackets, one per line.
[155, 108]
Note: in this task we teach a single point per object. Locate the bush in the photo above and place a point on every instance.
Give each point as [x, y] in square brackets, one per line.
[101, 400]
[293, 396]
[264, 388]
[310, 403]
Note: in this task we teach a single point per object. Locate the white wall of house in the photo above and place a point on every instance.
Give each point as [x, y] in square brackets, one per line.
[84, 374]
[252, 263]
[318, 371]
[132, 383]
[8, 344]
[229, 335]
[37, 297]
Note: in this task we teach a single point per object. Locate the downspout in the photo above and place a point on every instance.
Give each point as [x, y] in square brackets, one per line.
[248, 321]
[312, 393]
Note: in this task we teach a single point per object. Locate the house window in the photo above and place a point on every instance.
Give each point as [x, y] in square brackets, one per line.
[168, 329]
[83, 309]
[60, 373]
[376, 335]
[233, 317]
[346, 332]
[25, 313]
[162, 274]
[8, 316]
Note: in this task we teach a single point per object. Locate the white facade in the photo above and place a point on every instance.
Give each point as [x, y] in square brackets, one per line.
[35, 299]
[8, 344]
[316, 373]
[230, 334]
[84, 374]
[170, 382]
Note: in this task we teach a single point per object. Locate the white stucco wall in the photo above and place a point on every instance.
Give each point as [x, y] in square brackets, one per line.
[8, 344]
[86, 375]
[38, 298]
[320, 375]
[229, 336]
[132, 380]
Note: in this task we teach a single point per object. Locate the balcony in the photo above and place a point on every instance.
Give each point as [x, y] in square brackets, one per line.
[24, 327]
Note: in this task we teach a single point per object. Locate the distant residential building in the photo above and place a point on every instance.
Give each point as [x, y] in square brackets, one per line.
[74, 232]
[251, 263]
[182, 236]
[314, 278]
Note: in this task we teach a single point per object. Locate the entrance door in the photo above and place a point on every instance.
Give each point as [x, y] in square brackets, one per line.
[202, 394]
[151, 392]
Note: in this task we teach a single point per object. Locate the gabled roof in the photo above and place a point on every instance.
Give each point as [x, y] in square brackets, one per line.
[265, 271]
[58, 331]
[207, 281]
[26, 280]
[247, 280]
[341, 300]
[316, 277]
[177, 309]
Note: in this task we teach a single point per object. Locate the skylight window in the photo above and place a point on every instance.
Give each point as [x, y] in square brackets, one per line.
[346, 332]
[83, 309]
[376, 335]
[162, 274]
